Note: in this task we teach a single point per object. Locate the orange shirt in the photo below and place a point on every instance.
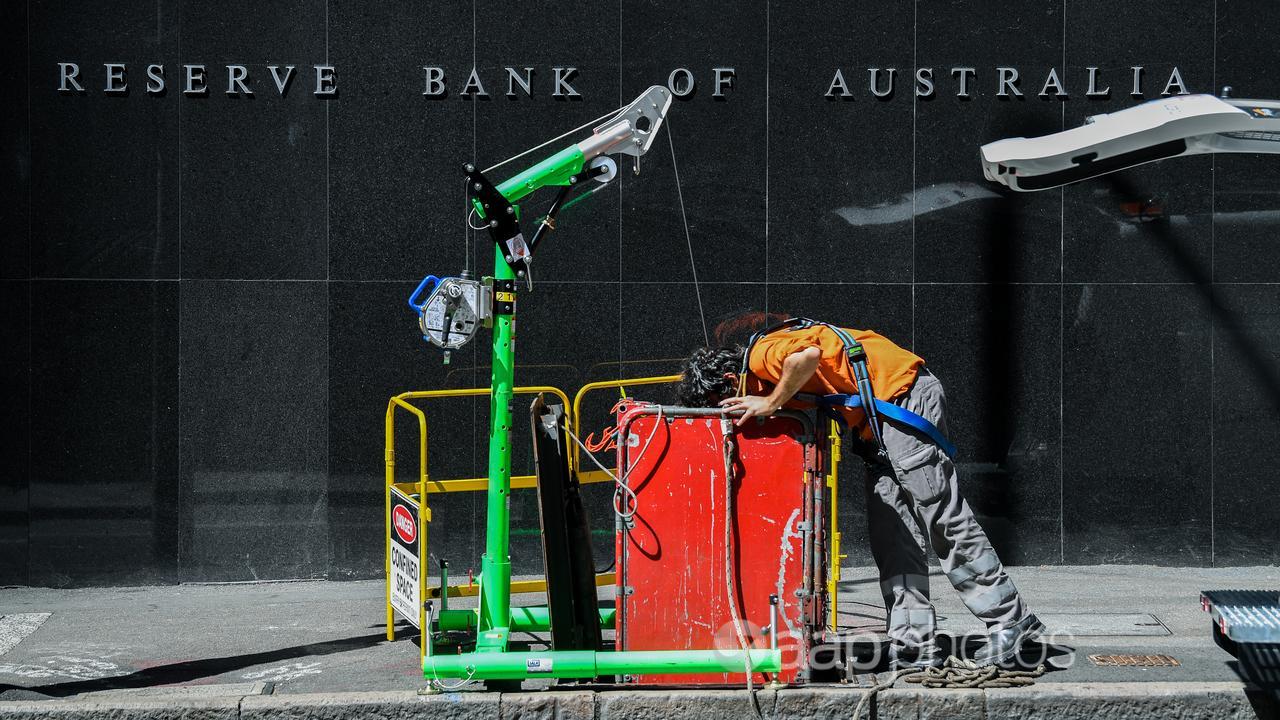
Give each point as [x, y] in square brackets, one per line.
[893, 370]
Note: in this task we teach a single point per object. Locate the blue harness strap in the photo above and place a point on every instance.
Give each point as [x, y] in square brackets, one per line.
[893, 412]
[858, 364]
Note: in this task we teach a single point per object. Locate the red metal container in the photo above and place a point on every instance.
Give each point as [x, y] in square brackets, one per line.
[673, 590]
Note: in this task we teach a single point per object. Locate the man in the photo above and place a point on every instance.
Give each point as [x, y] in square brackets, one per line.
[912, 493]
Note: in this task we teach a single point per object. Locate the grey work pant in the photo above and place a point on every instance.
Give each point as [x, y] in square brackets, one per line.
[922, 506]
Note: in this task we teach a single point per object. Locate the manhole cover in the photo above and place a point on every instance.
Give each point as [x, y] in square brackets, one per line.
[1134, 660]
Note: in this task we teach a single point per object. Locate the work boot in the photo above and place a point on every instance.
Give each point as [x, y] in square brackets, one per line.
[1003, 645]
[914, 656]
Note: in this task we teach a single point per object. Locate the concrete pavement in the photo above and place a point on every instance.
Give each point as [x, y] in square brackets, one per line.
[294, 649]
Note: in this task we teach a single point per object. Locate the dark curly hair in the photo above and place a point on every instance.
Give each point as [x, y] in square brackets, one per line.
[704, 381]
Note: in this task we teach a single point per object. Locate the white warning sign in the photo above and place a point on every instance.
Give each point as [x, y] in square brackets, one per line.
[405, 581]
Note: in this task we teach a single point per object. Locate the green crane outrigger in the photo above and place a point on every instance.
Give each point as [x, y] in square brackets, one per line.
[450, 316]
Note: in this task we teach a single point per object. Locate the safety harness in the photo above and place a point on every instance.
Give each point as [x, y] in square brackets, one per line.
[873, 407]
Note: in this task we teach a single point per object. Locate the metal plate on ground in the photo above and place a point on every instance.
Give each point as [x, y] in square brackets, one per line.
[1104, 624]
[1134, 660]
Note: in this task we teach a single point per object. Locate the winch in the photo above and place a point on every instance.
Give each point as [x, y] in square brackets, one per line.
[454, 310]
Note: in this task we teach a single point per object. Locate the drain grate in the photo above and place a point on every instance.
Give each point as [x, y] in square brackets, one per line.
[1134, 660]
[1247, 616]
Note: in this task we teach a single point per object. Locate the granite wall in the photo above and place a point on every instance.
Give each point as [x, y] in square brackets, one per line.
[204, 292]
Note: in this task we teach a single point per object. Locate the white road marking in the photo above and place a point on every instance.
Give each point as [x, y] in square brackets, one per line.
[63, 666]
[284, 673]
[15, 627]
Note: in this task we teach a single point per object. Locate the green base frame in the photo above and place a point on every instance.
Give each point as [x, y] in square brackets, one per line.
[585, 664]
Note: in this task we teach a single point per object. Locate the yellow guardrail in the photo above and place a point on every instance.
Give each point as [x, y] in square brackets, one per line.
[424, 486]
[621, 386]
[471, 589]
[833, 575]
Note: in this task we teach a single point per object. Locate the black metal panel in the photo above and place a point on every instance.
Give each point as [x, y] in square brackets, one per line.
[566, 535]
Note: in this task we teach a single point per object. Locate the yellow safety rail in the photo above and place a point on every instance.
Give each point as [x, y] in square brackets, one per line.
[471, 589]
[833, 575]
[467, 484]
[424, 485]
[597, 475]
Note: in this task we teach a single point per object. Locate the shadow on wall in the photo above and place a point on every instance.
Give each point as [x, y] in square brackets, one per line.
[1159, 229]
[998, 361]
[999, 350]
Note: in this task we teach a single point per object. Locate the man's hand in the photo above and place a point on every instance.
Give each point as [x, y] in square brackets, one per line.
[750, 405]
[796, 371]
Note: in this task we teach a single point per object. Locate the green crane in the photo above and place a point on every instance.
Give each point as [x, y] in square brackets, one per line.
[450, 316]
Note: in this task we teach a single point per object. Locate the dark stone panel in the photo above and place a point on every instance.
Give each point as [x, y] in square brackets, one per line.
[396, 185]
[104, 501]
[15, 430]
[719, 144]
[662, 323]
[1098, 34]
[839, 168]
[885, 309]
[1241, 24]
[254, 436]
[997, 350]
[585, 245]
[256, 34]
[103, 169]
[15, 145]
[254, 168]
[567, 334]
[1151, 223]
[1136, 454]
[968, 229]
[1245, 216]
[375, 351]
[1246, 424]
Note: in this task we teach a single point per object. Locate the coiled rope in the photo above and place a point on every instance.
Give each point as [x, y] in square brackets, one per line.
[955, 673]
[959, 673]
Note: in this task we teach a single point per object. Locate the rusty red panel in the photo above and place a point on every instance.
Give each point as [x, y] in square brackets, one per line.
[672, 591]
